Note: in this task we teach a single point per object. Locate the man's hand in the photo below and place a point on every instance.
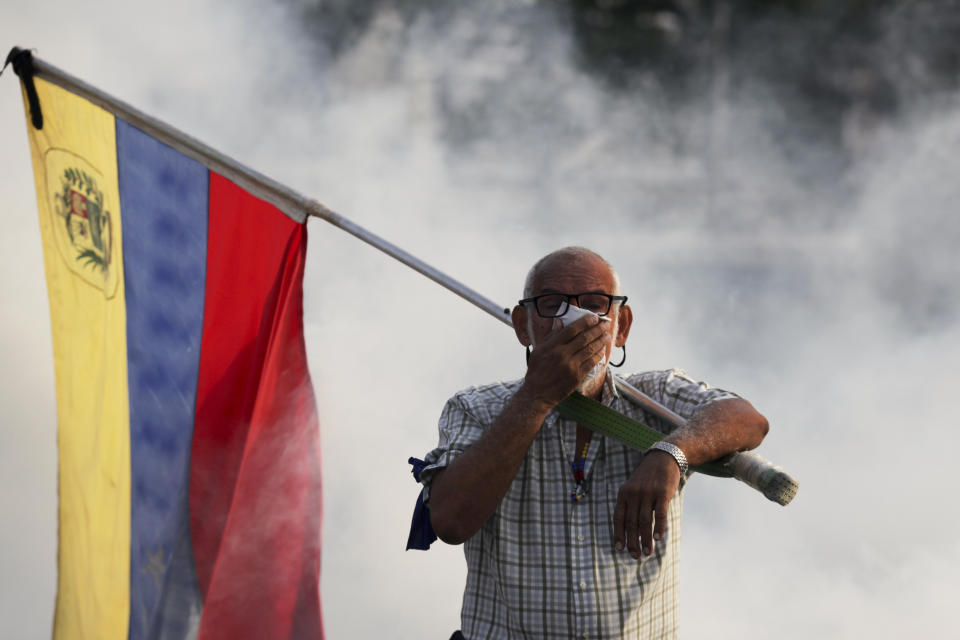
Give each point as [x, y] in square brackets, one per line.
[722, 427]
[641, 513]
[559, 364]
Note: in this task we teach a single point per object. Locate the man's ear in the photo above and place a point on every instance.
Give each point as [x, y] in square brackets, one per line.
[624, 320]
[519, 317]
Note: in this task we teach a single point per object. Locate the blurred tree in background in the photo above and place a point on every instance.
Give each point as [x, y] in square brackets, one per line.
[837, 69]
[820, 53]
[726, 114]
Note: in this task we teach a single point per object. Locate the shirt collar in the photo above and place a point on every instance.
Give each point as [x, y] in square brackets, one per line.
[609, 392]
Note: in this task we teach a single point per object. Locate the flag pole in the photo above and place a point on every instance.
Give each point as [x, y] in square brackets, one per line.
[318, 210]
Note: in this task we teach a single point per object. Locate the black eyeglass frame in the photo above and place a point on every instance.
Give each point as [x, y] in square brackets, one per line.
[569, 298]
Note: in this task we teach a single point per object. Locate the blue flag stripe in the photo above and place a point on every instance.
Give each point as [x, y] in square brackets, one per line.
[163, 199]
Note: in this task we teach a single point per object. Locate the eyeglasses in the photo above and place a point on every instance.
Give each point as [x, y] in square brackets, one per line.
[553, 305]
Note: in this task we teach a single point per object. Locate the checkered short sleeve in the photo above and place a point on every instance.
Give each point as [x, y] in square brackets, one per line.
[464, 419]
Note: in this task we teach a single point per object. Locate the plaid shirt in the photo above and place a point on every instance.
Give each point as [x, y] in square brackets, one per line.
[544, 566]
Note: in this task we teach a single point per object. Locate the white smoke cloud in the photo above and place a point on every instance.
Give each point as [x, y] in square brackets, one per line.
[473, 140]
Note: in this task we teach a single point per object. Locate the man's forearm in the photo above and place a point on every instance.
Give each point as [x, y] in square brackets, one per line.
[465, 494]
[720, 428]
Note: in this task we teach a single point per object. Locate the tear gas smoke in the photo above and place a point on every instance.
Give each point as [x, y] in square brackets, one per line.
[823, 292]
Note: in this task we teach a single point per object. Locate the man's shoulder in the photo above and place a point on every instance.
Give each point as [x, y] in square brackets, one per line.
[493, 393]
[483, 402]
[677, 390]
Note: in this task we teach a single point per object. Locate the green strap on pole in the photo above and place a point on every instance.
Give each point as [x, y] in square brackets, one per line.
[630, 432]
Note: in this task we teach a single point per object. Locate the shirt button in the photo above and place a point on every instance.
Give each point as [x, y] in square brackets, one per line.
[583, 585]
[580, 538]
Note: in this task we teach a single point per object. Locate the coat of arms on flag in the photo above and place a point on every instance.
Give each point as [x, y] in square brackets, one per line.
[82, 226]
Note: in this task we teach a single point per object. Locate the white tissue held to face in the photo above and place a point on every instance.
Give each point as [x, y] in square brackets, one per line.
[571, 315]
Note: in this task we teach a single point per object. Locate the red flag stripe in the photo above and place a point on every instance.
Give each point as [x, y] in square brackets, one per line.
[255, 479]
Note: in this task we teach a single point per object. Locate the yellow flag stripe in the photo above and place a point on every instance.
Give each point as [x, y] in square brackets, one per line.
[75, 166]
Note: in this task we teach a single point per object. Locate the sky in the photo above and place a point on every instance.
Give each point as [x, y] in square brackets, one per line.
[838, 322]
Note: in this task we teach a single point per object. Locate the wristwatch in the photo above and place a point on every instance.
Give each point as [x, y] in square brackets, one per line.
[674, 451]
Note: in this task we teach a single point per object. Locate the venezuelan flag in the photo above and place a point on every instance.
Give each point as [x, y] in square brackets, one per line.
[189, 473]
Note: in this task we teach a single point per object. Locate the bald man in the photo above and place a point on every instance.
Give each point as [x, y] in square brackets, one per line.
[568, 533]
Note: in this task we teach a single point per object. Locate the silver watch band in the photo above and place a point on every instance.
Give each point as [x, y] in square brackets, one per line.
[674, 451]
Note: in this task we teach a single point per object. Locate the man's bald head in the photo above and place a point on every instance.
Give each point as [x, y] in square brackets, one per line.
[568, 258]
[572, 271]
